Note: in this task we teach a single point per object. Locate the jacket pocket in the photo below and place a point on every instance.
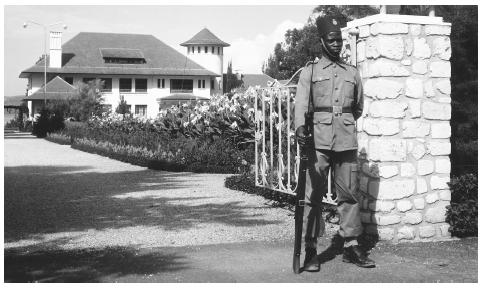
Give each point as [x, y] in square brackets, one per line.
[321, 85]
[323, 128]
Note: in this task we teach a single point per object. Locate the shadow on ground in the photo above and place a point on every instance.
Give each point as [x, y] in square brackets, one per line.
[86, 265]
[50, 199]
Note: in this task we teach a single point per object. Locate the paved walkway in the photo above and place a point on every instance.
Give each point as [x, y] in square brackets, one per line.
[72, 216]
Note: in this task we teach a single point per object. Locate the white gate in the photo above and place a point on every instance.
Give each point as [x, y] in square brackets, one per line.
[276, 149]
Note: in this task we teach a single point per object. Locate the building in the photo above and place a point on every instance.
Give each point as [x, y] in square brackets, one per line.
[139, 68]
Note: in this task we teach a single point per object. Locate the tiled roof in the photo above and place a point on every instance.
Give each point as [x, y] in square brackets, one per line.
[82, 54]
[205, 37]
[55, 89]
[256, 80]
[13, 101]
[121, 53]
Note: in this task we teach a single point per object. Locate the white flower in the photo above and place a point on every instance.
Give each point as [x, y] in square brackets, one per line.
[185, 124]
[234, 125]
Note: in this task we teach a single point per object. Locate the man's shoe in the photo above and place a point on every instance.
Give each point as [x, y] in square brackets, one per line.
[354, 254]
[311, 261]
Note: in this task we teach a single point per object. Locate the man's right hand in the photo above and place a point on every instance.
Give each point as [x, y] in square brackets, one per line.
[302, 136]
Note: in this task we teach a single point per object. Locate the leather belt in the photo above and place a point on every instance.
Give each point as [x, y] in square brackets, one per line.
[337, 110]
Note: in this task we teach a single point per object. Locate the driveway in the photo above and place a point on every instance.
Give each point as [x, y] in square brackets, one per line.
[72, 216]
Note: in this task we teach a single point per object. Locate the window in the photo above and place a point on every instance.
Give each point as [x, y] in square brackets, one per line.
[162, 83]
[141, 85]
[218, 50]
[212, 84]
[108, 85]
[140, 110]
[213, 50]
[181, 85]
[193, 49]
[158, 83]
[87, 80]
[206, 49]
[203, 83]
[198, 48]
[125, 85]
[69, 80]
[199, 84]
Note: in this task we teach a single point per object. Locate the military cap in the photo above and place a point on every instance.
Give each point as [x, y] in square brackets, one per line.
[328, 23]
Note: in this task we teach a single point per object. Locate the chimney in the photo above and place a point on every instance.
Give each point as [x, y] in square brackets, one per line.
[55, 53]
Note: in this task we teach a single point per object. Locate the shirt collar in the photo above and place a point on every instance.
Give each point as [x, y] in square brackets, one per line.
[325, 62]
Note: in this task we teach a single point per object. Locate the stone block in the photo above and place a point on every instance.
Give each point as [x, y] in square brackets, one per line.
[436, 214]
[438, 148]
[414, 88]
[391, 47]
[445, 195]
[362, 144]
[425, 167]
[411, 129]
[404, 205]
[385, 220]
[364, 31]
[443, 86]
[426, 231]
[386, 234]
[386, 68]
[359, 124]
[388, 171]
[444, 230]
[414, 108]
[406, 62]
[437, 30]
[440, 130]
[445, 99]
[375, 126]
[408, 46]
[421, 49]
[381, 206]
[388, 108]
[439, 182]
[429, 89]
[383, 149]
[418, 150]
[406, 233]
[436, 111]
[419, 203]
[421, 185]
[441, 47]
[420, 67]
[360, 51]
[395, 189]
[382, 88]
[432, 198]
[371, 49]
[415, 29]
[440, 69]
[442, 165]
[407, 170]
[413, 218]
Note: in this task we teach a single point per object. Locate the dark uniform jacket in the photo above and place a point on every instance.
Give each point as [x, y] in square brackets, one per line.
[334, 84]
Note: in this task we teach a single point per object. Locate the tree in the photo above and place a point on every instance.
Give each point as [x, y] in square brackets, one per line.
[302, 45]
[87, 100]
[231, 81]
[123, 107]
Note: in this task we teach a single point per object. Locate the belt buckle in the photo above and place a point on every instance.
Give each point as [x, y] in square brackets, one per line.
[337, 110]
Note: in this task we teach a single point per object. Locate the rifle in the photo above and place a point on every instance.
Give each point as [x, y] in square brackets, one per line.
[301, 184]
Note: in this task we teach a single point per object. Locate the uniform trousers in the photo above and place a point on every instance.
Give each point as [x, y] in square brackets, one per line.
[345, 169]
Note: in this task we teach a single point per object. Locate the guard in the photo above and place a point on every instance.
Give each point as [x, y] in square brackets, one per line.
[337, 100]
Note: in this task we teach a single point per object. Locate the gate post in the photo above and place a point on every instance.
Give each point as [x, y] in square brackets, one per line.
[404, 133]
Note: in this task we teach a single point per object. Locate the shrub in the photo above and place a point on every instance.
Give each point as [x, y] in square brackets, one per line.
[462, 212]
[58, 138]
[41, 126]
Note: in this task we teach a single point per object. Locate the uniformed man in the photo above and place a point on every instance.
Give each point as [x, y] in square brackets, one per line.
[337, 101]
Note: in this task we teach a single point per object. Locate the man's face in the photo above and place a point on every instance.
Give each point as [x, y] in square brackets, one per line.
[333, 42]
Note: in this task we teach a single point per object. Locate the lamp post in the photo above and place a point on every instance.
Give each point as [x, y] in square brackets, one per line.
[45, 26]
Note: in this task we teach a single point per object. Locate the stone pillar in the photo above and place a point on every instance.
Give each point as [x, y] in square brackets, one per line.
[404, 133]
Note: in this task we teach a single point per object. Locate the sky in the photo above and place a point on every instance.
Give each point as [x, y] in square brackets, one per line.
[252, 31]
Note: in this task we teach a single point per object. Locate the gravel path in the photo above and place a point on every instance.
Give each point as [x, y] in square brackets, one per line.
[63, 198]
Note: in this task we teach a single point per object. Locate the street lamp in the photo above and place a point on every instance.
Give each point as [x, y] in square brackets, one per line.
[45, 48]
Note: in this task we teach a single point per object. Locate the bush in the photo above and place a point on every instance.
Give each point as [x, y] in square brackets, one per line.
[41, 126]
[462, 211]
[58, 138]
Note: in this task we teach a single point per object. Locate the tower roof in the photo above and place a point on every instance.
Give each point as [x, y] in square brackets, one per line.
[205, 37]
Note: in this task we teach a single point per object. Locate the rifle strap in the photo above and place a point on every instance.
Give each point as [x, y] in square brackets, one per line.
[310, 98]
